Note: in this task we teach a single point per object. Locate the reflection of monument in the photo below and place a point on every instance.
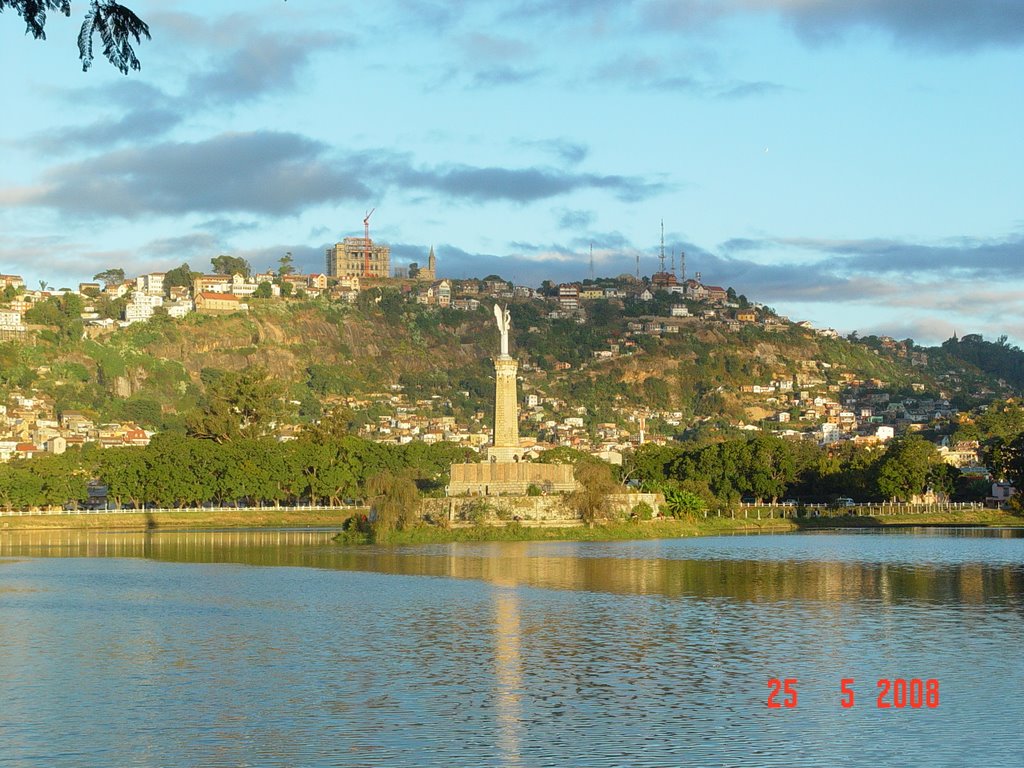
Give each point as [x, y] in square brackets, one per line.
[505, 471]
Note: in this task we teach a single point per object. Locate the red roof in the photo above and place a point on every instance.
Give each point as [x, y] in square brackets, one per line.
[25, 447]
[218, 296]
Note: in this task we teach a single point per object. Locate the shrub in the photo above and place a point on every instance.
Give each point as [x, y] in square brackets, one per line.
[591, 500]
[476, 511]
[683, 503]
[643, 511]
[394, 502]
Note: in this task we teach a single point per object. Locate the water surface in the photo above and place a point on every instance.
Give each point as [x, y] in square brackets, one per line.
[282, 649]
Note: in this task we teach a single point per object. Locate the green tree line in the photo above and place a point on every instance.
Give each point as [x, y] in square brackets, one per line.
[176, 470]
[770, 468]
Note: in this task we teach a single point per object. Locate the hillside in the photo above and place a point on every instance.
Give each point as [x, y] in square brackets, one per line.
[328, 353]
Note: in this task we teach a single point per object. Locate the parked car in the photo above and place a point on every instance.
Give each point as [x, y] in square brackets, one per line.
[844, 501]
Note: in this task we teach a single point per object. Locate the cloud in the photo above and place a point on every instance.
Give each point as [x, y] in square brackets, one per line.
[186, 248]
[489, 184]
[265, 63]
[224, 226]
[307, 259]
[479, 45]
[521, 185]
[573, 219]
[942, 25]
[566, 150]
[135, 125]
[259, 172]
[951, 25]
[259, 64]
[962, 256]
[273, 173]
[493, 77]
[659, 74]
[743, 89]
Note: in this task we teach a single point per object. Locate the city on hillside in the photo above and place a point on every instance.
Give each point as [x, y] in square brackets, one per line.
[805, 399]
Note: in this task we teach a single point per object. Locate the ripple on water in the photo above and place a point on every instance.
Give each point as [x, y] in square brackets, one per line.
[639, 654]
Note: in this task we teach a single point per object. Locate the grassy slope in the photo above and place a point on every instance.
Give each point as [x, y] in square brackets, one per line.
[269, 518]
[368, 348]
[655, 529]
[670, 529]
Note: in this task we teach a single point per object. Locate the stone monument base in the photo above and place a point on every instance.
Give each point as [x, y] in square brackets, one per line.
[504, 455]
[496, 478]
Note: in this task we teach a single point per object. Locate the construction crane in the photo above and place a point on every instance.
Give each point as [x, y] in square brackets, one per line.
[366, 235]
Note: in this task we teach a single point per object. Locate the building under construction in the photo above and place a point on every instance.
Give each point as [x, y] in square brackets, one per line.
[358, 257]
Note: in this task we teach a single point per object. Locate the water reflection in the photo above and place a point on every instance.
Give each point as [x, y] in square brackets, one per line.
[726, 567]
[627, 653]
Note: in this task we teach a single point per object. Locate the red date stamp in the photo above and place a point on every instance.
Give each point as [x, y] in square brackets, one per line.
[895, 693]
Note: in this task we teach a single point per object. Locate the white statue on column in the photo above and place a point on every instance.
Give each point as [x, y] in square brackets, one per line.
[504, 319]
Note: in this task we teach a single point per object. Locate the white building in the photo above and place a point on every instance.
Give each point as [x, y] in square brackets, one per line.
[11, 320]
[242, 286]
[178, 309]
[141, 306]
[153, 283]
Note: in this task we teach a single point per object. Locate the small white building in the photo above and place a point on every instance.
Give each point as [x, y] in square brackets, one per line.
[141, 306]
[153, 283]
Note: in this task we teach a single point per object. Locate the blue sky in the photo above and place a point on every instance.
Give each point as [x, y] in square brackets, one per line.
[858, 163]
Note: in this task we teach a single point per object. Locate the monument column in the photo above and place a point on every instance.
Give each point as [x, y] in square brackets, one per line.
[505, 447]
[506, 411]
[505, 471]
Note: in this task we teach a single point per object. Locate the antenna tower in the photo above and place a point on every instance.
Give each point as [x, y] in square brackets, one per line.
[638, 266]
[366, 243]
[682, 265]
[591, 261]
[661, 258]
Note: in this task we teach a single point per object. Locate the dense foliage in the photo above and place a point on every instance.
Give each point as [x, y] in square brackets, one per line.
[769, 468]
[998, 358]
[177, 471]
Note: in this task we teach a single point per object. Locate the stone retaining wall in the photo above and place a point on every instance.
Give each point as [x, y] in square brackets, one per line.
[553, 508]
[496, 478]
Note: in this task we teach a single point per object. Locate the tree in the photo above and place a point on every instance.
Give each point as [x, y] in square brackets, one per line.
[116, 25]
[124, 471]
[245, 404]
[179, 277]
[394, 499]
[905, 469]
[287, 265]
[113, 276]
[1012, 460]
[590, 500]
[230, 265]
[263, 291]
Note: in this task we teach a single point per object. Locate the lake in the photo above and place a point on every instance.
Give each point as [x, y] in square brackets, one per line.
[279, 648]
